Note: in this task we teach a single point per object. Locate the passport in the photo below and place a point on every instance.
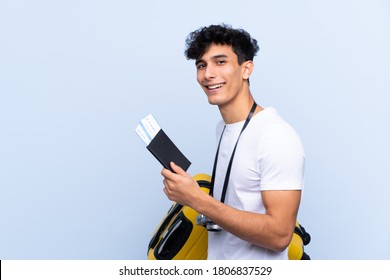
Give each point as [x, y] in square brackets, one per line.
[160, 145]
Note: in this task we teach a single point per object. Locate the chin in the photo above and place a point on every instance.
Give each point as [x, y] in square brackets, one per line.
[213, 101]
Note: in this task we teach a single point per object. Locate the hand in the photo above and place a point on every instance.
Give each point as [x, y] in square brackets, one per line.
[180, 186]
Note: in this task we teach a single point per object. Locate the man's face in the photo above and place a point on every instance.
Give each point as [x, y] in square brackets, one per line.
[220, 75]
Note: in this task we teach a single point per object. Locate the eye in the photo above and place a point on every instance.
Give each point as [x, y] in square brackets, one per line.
[221, 62]
[200, 65]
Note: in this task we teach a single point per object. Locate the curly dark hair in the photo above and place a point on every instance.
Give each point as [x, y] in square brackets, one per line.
[200, 40]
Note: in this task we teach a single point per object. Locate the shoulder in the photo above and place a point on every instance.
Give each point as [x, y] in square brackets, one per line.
[274, 136]
[281, 156]
[270, 125]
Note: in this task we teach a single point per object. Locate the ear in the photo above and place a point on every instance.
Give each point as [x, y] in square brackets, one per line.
[247, 68]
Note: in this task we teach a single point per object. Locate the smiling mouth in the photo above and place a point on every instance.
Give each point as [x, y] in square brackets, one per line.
[210, 87]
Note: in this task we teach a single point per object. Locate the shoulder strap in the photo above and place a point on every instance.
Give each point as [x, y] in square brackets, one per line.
[226, 182]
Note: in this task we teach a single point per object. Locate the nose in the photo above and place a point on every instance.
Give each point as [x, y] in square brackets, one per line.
[209, 73]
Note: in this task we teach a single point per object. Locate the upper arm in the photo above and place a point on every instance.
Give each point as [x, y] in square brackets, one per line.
[282, 206]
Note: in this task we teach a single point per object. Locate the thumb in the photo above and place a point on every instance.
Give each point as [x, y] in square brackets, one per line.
[177, 169]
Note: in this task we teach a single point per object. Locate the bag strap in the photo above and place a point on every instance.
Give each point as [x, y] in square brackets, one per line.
[227, 176]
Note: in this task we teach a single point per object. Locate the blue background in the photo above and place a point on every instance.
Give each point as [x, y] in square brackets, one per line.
[76, 182]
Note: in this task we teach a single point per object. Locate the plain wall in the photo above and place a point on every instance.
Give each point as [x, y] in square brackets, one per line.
[76, 182]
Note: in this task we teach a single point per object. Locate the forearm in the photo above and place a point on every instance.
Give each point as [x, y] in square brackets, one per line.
[272, 231]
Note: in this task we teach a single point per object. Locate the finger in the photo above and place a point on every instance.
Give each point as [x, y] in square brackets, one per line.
[167, 193]
[166, 187]
[177, 169]
[165, 183]
[167, 174]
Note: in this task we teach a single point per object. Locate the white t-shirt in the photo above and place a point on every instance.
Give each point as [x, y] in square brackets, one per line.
[269, 156]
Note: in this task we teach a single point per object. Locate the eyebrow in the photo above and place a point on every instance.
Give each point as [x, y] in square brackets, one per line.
[219, 56]
[212, 58]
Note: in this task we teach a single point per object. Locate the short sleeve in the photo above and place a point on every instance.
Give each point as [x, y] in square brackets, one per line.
[281, 160]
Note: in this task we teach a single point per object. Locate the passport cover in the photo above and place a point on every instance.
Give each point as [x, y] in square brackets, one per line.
[165, 151]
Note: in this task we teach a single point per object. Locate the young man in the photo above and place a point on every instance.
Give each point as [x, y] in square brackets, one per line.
[266, 177]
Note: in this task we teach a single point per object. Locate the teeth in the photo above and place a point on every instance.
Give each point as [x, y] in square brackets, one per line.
[214, 86]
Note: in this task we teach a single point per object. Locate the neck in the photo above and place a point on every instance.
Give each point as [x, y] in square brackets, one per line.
[238, 110]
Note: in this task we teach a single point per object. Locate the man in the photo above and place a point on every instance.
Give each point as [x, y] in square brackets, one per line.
[266, 177]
